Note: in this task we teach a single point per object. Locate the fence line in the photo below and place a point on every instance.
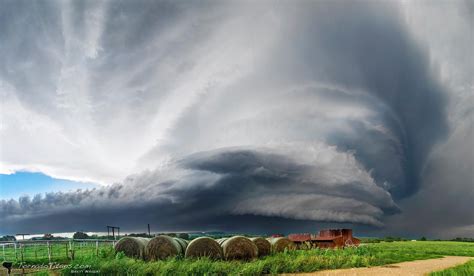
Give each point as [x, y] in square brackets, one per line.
[52, 250]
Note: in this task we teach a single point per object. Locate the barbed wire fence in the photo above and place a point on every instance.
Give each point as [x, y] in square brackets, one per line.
[52, 250]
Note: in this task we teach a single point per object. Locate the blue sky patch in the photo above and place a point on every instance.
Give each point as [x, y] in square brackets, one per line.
[32, 183]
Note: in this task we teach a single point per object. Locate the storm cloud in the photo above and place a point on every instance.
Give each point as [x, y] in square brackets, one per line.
[221, 113]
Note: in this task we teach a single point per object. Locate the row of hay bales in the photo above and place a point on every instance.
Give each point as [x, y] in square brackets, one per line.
[233, 248]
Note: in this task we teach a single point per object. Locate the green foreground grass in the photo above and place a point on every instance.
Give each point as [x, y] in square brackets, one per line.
[59, 252]
[108, 263]
[466, 269]
[286, 262]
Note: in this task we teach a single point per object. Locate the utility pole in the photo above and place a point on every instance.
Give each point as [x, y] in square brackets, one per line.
[113, 231]
[23, 235]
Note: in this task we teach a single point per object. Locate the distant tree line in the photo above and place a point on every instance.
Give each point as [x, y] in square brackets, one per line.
[83, 236]
[7, 238]
[383, 239]
[48, 237]
[463, 239]
[393, 239]
[80, 236]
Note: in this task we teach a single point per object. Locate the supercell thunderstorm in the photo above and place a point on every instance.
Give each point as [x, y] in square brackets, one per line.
[314, 111]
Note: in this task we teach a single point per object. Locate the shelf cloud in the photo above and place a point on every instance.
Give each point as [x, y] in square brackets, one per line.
[208, 115]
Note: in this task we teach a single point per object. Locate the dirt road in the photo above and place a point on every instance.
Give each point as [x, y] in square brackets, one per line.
[414, 268]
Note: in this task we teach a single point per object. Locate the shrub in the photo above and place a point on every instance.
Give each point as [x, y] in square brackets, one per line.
[80, 235]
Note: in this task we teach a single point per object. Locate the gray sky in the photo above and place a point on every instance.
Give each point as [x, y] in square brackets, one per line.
[240, 116]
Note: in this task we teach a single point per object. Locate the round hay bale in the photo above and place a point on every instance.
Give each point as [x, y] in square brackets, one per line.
[264, 246]
[182, 243]
[239, 248]
[279, 244]
[162, 247]
[204, 247]
[221, 240]
[133, 247]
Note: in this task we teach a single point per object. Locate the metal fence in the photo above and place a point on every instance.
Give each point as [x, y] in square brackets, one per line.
[53, 250]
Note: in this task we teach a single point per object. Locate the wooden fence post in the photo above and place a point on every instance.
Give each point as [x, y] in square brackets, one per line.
[73, 249]
[70, 249]
[49, 251]
[16, 254]
[97, 247]
[3, 249]
[21, 252]
[22, 249]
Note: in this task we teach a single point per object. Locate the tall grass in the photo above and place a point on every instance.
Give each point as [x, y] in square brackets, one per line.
[285, 262]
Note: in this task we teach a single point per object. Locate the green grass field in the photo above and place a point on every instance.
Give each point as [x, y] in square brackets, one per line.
[466, 269]
[287, 262]
[60, 252]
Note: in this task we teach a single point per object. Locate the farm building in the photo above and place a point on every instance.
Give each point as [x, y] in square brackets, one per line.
[303, 241]
[330, 238]
[304, 237]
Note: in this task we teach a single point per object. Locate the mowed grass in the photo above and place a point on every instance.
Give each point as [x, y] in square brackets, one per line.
[466, 269]
[285, 262]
